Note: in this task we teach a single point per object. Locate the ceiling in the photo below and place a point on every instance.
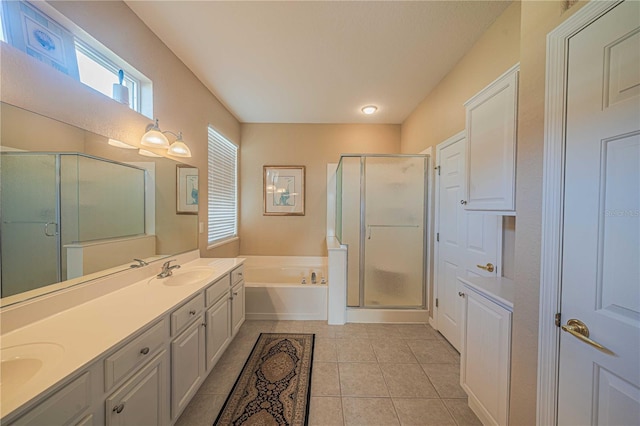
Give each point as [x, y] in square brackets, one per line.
[319, 62]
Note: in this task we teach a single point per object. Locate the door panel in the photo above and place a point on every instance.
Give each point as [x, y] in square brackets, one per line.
[601, 259]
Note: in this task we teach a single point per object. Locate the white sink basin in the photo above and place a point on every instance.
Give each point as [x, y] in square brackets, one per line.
[22, 363]
[182, 277]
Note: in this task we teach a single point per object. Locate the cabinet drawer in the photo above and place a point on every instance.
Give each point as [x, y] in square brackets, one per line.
[216, 290]
[63, 407]
[184, 315]
[237, 274]
[134, 354]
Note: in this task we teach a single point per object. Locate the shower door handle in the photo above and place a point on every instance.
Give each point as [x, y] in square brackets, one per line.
[369, 232]
[46, 229]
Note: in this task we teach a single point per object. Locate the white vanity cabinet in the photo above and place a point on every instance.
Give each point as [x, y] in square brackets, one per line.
[237, 300]
[218, 319]
[66, 406]
[491, 125]
[142, 400]
[187, 353]
[486, 353]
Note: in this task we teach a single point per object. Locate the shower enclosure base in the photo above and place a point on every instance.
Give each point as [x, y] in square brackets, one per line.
[387, 315]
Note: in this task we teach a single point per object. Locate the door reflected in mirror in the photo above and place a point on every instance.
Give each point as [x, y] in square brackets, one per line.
[74, 207]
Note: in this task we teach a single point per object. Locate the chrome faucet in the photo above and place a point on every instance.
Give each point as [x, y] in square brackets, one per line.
[140, 263]
[167, 269]
[313, 278]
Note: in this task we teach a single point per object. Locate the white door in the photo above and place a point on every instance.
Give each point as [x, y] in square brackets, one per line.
[601, 240]
[464, 240]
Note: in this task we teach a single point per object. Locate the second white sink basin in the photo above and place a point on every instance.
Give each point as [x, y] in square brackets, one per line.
[22, 363]
[182, 277]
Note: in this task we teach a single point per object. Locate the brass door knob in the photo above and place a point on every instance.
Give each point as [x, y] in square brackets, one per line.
[488, 267]
[580, 330]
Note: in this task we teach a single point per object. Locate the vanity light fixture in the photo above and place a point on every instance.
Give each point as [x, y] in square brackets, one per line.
[369, 109]
[155, 138]
[119, 144]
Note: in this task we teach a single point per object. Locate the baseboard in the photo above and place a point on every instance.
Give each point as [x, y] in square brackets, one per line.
[480, 411]
[433, 323]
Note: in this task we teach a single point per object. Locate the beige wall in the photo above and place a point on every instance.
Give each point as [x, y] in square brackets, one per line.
[180, 100]
[310, 145]
[441, 114]
[538, 19]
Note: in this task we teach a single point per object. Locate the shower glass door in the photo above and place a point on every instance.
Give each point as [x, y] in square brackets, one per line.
[30, 222]
[393, 233]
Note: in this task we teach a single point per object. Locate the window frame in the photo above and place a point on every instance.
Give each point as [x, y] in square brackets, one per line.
[213, 137]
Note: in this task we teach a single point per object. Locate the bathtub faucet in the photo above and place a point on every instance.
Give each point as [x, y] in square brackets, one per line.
[313, 278]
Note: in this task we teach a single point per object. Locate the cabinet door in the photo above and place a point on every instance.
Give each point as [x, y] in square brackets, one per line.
[187, 366]
[237, 307]
[486, 355]
[143, 399]
[218, 330]
[491, 146]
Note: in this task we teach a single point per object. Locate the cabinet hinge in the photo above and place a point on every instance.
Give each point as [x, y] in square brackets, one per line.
[436, 303]
[438, 236]
[438, 169]
[558, 315]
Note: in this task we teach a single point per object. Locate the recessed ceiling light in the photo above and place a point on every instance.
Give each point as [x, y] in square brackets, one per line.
[369, 109]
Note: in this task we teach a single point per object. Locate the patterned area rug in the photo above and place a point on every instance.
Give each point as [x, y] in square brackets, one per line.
[274, 385]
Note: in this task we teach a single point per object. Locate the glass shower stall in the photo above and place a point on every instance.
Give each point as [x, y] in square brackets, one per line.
[381, 215]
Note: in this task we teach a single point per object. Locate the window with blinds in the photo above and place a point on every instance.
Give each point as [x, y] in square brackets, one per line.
[223, 188]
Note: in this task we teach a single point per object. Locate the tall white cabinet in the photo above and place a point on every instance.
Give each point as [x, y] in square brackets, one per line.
[491, 126]
[485, 362]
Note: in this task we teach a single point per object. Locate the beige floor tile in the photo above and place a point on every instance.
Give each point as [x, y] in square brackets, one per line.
[325, 380]
[324, 350]
[408, 381]
[325, 411]
[433, 352]
[462, 414]
[202, 410]
[220, 380]
[288, 327]
[446, 379]
[369, 412]
[320, 329]
[352, 330]
[361, 379]
[417, 331]
[423, 412]
[355, 350]
[384, 331]
[393, 351]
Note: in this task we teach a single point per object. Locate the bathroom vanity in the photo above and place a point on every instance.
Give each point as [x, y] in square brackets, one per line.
[132, 356]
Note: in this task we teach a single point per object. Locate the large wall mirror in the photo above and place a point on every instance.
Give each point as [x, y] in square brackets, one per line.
[74, 207]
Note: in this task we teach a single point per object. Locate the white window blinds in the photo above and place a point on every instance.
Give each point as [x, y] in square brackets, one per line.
[223, 188]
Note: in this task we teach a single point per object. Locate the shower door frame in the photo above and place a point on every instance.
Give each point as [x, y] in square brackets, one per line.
[363, 227]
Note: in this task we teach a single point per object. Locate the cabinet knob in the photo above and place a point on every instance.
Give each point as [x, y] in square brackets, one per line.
[235, 293]
[204, 324]
[144, 351]
[118, 408]
[192, 312]
[461, 294]
[463, 202]
[239, 274]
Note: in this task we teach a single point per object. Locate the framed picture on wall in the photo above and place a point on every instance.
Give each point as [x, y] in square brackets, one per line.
[283, 190]
[36, 34]
[187, 189]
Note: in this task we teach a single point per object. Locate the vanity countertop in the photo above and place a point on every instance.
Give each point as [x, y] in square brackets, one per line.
[88, 331]
[497, 289]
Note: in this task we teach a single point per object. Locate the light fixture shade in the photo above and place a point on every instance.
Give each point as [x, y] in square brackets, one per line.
[154, 137]
[148, 153]
[179, 149]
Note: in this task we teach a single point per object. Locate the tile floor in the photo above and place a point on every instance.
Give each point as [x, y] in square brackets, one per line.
[363, 374]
